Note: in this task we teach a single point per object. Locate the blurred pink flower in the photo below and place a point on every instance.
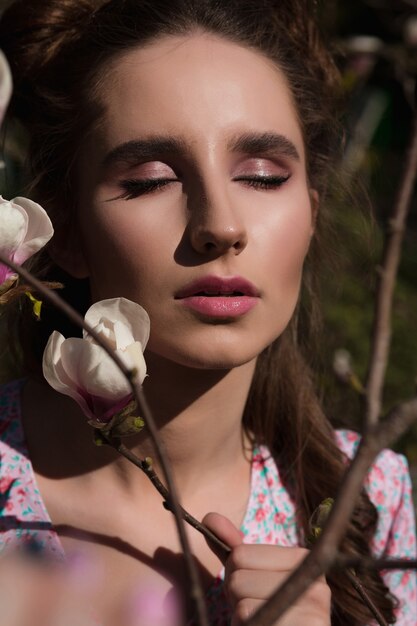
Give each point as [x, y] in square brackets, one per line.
[81, 369]
[24, 229]
[154, 607]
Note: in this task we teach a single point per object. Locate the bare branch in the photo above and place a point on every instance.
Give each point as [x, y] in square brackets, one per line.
[363, 563]
[381, 333]
[192, 573]
[324, 553]
[153, 477]
[361, 591]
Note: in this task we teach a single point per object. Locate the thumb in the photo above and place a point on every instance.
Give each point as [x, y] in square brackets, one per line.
[225, 530]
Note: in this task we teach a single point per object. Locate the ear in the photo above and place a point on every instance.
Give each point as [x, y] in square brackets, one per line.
[66, 251]
[315, 203]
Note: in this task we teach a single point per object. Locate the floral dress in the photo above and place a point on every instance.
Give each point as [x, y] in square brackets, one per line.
[269, 519]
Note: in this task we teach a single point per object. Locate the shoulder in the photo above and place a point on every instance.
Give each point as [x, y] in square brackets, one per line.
[12, 453]
[388, 465]
[388, 485]
[388, 471]
[23, 516]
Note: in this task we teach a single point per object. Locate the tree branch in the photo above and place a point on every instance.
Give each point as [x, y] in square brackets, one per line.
[387, 274]
[364, 563]
[324, 553]
[153, 477]
[192, 573]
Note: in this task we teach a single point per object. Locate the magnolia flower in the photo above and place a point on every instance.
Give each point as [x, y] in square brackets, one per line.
[24, 229]
[5, 85]
[81, 369]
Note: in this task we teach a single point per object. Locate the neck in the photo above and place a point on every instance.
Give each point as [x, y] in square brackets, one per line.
[198, 414]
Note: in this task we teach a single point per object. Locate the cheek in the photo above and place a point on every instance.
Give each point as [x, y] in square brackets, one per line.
[288, 239]
[124, 252]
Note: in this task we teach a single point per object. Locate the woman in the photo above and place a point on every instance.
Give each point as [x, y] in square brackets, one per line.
[182, 151]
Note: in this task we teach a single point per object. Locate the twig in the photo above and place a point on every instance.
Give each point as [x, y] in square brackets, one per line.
[324, 552]
[323, 555]
[381, 333]
[361, 591]
[192, 573]
[196, 590]
[366, 563]
[317, 522]
[153, 477]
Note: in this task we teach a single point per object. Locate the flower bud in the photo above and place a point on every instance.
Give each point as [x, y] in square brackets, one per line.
[81, 369]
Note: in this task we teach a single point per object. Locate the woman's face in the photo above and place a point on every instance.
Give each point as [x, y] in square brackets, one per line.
[194, 198]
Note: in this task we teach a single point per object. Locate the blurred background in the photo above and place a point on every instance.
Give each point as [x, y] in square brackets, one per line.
[375, 43]
[376, 48]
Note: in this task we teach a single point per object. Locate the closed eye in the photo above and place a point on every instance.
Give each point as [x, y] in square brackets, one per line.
[263, 182]
[133, 188]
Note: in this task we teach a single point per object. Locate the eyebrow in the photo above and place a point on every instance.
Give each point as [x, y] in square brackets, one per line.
[142, 149]
[264, 143]
[138, 150]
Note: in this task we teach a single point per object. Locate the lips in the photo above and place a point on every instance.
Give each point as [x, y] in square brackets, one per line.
[211, 286]
[219, 297]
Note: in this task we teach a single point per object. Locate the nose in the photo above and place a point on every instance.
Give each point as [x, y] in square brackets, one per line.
[216, 226]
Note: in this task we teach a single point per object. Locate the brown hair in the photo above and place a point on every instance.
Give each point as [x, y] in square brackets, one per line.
[57, 50]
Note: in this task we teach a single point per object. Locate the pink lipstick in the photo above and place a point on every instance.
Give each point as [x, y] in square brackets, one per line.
[221, 297]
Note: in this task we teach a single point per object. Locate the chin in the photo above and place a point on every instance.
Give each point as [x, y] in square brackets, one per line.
[210, 355]
[215, 362]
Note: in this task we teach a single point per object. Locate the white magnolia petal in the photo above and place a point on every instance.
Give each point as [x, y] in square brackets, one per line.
[105, 329]
[132, 356]
[130, 313]
[6, 85]
[13, 227]
[55, 373]
[39, 229]
[93, 370]
[123, 335]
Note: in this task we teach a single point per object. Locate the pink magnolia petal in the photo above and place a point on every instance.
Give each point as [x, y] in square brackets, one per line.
[104, 409]
[55, 373]
[39, 229]
[5, 273]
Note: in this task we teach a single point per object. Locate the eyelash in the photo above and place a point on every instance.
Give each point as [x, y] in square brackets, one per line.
[135, 188]
[263, 182]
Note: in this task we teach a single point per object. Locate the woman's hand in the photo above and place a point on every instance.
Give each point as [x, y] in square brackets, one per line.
[253, 572]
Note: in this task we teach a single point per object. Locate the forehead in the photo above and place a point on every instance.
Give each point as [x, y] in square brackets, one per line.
[200, 87]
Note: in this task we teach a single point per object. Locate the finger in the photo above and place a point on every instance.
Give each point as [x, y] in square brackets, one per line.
[265, 557]
[225, 530]
[305, 613]
[259, 585]
[244, 610]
